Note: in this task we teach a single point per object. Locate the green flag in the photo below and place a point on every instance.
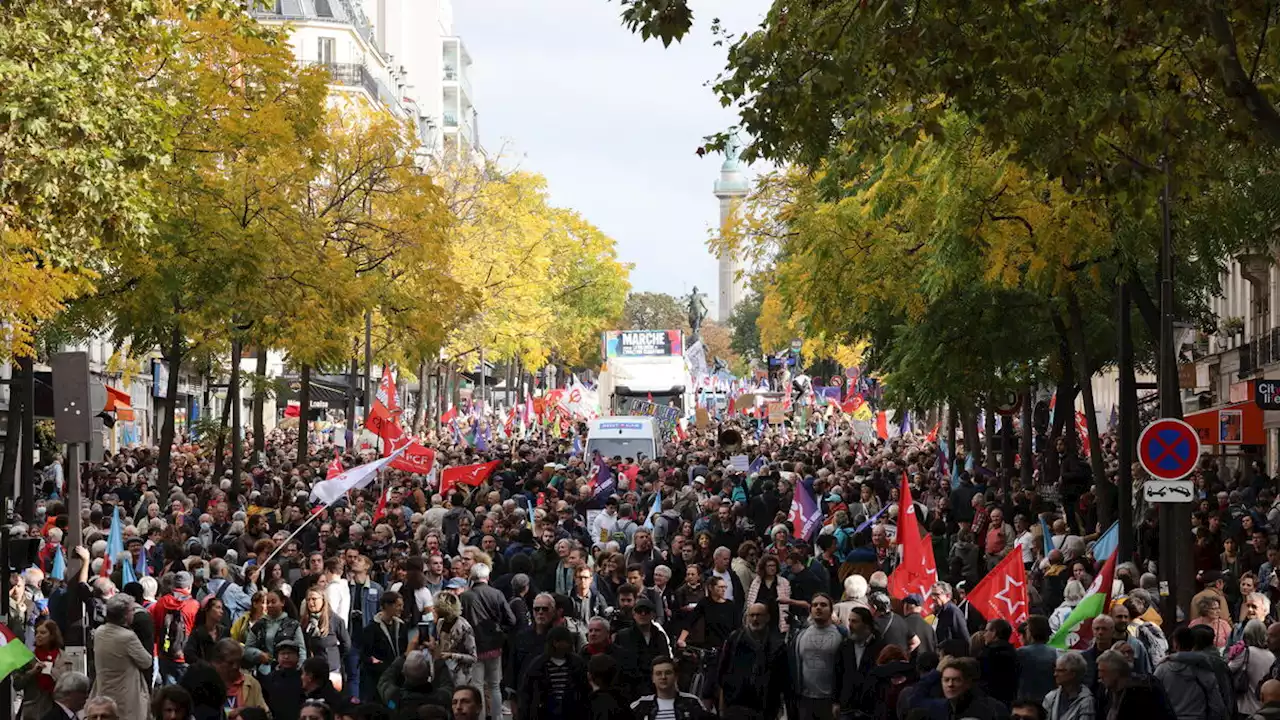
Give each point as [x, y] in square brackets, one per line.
[14, 654]
[1095, 603]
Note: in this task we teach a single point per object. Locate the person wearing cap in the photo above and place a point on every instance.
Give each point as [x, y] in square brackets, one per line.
[282, 687]
[638, 646]
[925, 639]
[174, 616]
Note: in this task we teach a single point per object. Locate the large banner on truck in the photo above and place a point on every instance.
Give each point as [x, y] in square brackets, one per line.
[643, 343]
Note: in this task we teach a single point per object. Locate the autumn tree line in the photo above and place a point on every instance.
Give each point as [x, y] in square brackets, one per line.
[968, 186]
[172, 178]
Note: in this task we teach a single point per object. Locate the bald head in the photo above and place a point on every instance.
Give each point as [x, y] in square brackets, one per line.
[1270, 692]
[1273, 637]
[757, 616]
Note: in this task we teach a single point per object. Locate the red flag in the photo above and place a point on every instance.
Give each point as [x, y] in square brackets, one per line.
[733, 405]
[907, 523]
[416, 458]
[292, 409]
[381, 510]
[933, 434]
[680, 432]
[882, 425]
[649, 397]
[472, 475]
[1003, 592]
[449, 416]
[335, 467]
[917, 572]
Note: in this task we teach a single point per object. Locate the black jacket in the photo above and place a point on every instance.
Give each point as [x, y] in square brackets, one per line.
[1000, 671]
[283, 692]
[535, 689]
[490, 616]
[753, 674]
[524, 647]
[404, 698]
[605, 704]
[332, 646]
[384, 643]
[977, 706]
[688, 707]
[637, 656]
[855, 676]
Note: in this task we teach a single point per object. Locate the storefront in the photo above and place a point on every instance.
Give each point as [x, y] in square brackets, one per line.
[1234, 433]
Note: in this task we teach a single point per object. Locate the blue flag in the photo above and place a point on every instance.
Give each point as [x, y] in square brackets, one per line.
[905, 426]
[115, 546]
[577, 445]
[655, 509]
[870, 520]
[1106, 545]
[59, 569]
[756, 466]
[1048, 536]
[482, 443]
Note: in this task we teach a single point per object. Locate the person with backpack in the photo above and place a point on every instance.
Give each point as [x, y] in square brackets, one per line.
[1189, 681]
[1249, 667]
[174, 616]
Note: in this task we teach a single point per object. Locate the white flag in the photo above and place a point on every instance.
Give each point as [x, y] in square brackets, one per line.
[328, 491]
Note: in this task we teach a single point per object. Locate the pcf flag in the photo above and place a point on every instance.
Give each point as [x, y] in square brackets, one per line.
[806, 513]
[1003, 592]
[473, 475]
[335, 467]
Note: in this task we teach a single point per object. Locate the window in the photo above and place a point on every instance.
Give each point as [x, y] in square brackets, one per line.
[323, 9]
[326, 50]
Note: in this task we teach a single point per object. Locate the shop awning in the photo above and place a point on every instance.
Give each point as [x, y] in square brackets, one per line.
[1235, 424]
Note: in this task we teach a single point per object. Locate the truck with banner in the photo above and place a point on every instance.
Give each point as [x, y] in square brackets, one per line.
[645, 366]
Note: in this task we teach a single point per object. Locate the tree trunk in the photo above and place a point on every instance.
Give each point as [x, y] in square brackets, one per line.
[237, 447]
[1062, 403]
[169, 427]
[353, 393]
[1106, 499]
[420, 405]
[1026, 468]
[989, 417]
[9, 467]
[259, 406]
[972, 442]
[304, 412]
[220, 446]
[951, 435]
[1009, 448]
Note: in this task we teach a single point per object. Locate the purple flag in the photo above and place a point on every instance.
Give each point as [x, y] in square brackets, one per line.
[806, 513]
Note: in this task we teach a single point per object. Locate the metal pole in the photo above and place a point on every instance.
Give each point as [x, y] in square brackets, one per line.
[1175, 556]
[1128, 413]
[481, 385]
[27, 451]
[6, 687]
[74, 537]
[368, 360]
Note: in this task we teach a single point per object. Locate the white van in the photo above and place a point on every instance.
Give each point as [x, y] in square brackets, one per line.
[627, 436]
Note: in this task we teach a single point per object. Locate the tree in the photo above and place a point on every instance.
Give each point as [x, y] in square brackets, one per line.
[743, 327]
[654, 311]
[80, 127]
[228, 240]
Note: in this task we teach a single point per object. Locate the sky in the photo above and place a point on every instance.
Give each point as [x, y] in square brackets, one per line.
[563, 89]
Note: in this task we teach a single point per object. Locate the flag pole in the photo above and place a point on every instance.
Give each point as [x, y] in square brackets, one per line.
[287, 540]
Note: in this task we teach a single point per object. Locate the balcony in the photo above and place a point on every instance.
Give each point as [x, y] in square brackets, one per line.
[354, 75]
[450, 120]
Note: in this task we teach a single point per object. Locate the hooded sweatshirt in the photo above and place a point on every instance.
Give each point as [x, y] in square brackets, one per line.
[1191, 686]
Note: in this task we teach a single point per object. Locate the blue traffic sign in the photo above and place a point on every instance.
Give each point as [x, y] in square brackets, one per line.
[1169, 449]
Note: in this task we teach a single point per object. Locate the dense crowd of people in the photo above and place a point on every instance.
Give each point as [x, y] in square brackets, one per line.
[688, 592]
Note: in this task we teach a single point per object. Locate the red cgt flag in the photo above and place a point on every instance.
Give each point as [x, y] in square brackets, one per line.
[1003, 592]
[473, 475]
[335, 467]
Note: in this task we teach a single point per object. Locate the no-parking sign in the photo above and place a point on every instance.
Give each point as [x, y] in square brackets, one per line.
[1169, 449]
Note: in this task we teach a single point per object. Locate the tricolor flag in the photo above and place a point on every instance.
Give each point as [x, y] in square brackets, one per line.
[14, 654]
[1076, 632]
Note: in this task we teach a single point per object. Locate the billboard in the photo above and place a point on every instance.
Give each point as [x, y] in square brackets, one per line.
[643, 343]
